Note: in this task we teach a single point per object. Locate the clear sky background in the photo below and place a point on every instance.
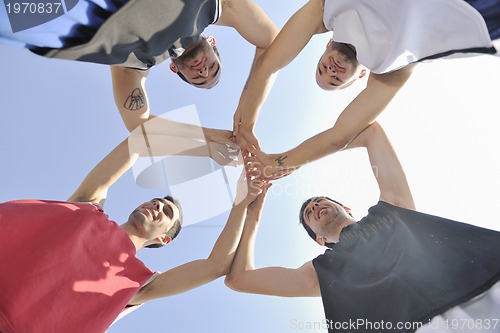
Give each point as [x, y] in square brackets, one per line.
[59, 120]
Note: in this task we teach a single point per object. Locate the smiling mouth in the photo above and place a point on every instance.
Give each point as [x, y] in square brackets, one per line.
[151, 212]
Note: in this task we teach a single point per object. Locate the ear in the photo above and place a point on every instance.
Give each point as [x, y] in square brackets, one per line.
[164, 240]
[211, 40]
[362, 73]
[320, 240]
[329, 43]
[347, 209]
[173, 68]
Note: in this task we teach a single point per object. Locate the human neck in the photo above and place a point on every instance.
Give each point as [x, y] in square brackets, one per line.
[131, 232]
[341, 227]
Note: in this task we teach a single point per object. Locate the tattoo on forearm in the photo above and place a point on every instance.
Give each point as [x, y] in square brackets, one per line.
[135, 101]
[280, 160]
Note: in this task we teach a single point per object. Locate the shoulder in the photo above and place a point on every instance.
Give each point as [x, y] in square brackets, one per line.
[393, 78]
[128, 71]
[318, 6]
[308, 272]
[320, 259]
[236, 11]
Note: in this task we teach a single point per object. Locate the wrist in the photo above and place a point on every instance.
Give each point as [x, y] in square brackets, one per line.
[280, 161]
[247, 127]
[247, 201]
[243, 198]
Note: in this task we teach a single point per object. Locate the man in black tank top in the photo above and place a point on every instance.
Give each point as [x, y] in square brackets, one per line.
[393, 271]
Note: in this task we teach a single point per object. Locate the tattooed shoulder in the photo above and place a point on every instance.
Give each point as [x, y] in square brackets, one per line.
[135, 100]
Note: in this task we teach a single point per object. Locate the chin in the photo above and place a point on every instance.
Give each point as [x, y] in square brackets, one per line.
[137, 218]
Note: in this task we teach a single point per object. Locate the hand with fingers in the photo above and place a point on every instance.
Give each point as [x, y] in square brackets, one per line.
[222, 147]
[225, 154]
[220, 136]
[245, 138]
[250, 185]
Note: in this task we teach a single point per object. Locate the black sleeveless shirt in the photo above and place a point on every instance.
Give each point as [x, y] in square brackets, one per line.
[401, 266]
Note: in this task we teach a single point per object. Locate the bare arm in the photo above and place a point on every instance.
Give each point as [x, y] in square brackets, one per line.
[129, 89]
[199, 272]
[132, 102]
[253, 24]
[287, 45]
[95, 186]
[357, 116]
[277, 281]
[386, 166]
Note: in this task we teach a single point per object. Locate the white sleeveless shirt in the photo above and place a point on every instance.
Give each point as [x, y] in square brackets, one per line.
[390, 34]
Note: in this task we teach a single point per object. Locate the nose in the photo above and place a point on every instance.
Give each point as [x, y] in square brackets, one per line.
[203, 71]
[158, 204]
[331, 70]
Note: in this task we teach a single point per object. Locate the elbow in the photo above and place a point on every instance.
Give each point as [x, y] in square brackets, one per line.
[364, 137]
[233, 282]
[132, 125]
[375, 129]
[229, 281]
[338, 143]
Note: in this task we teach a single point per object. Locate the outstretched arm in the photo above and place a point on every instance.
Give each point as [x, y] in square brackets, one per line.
[129, 89]
[141, 142]
[357, 116]
[303, 281]
[277, 281]
[386, 166]
[94, 187]
[286, 46]
[253, 24]
[199, 272]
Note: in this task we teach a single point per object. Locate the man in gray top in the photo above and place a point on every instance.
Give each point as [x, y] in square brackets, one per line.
[133, 36]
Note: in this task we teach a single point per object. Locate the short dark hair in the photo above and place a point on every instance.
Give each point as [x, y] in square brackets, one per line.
[310, 232]
[176, 228]
[183, 78]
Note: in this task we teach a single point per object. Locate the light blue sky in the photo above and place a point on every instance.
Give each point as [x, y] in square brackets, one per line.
[59, 120]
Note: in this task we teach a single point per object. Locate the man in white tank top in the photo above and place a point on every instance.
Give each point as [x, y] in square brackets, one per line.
[386, 37]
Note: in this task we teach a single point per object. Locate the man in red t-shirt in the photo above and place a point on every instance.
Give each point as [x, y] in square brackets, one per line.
[67, 268]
